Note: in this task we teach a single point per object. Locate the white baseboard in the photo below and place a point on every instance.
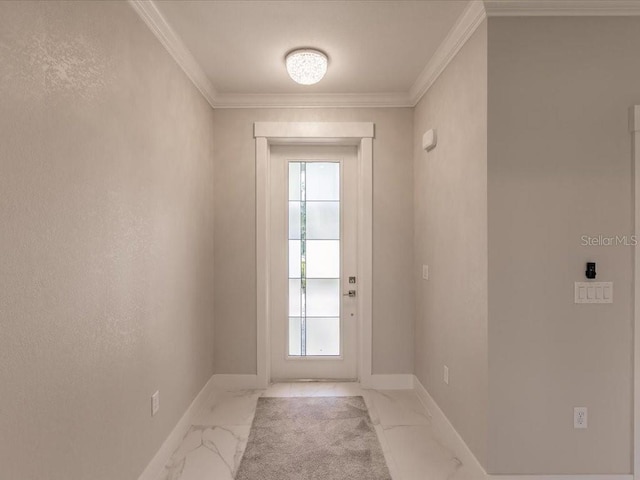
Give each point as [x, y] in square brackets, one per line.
[173, 441]
[400, 381]
[561, 477]
[454, 441]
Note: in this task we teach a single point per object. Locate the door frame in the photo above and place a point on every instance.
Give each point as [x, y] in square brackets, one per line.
[361, 135]
[634, 128]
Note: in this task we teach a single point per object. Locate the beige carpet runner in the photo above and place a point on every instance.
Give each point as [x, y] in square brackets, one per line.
[312, 438]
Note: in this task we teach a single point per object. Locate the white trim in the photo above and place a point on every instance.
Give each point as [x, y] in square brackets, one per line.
[265, 134]
[313, 131]
[561, 477]
[263, 271]
[365, 258]
[170, 40]
[161, 458]
[468, 22]
[318, 100]
[634, 128]
[634, 118]
[527, 8]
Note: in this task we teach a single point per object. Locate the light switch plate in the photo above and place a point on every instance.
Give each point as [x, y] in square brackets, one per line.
[593, 292]
[155, 403]
[425, 272]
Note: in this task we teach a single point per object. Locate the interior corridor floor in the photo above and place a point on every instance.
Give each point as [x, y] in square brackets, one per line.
[413, 448]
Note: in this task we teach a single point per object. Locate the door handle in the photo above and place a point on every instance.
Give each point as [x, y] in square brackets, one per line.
[350, 293]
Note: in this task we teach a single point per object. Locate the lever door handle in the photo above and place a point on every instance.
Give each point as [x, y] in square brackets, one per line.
[350, 293]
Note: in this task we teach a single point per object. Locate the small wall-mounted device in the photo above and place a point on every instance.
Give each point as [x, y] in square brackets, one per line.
[590, 273]
[429, 140]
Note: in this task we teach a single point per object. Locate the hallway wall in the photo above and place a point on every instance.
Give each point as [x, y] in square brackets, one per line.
[451, 238]
[560, 168]
[235, 288]
[106, 234]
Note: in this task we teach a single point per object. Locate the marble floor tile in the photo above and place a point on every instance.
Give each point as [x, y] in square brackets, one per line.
[413, 449]
[278, 390]
[208, 453]
[418, 455]
[398, 407]
[391, 462]
[231, 408]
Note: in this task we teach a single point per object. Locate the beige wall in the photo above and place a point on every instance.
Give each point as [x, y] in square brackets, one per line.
[107, 241]
[235, 289]
[559, 168]
[451, 237]
[107, 213]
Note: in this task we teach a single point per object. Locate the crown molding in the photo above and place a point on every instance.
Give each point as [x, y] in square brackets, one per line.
[152, 17]
[467, 23]
[323, 100]
[532, 8]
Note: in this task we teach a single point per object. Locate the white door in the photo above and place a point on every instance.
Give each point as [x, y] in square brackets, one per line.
[313, 262]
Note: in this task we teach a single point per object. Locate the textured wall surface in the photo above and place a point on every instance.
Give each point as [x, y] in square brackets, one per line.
[106, 234]
[451, 237]
[235, 289]
[559, 168]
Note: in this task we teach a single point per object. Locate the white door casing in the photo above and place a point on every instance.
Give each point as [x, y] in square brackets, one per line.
[634, 128]
[359, 134]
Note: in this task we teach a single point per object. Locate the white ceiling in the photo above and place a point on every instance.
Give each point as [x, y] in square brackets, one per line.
[381, 52]
[373, 46]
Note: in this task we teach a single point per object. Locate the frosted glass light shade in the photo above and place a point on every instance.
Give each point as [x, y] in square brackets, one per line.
[306, 66]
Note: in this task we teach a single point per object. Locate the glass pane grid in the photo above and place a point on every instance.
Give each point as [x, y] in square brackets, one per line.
[314, 259]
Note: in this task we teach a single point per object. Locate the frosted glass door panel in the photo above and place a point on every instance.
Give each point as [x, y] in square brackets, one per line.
[295, 336]
[322, 181]
[323, 336]
[294, 181]
[323, 298]
[323, 221]
[295, 304]
[294, 220]
[294, 259]
[323, 259]
[314, 258]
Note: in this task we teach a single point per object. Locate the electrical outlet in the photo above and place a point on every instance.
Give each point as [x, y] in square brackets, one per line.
[425, 272]
[446, 375]
[579, 417]
[155, 403]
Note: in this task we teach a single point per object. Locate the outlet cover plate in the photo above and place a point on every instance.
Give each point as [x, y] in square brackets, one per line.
[580, 417]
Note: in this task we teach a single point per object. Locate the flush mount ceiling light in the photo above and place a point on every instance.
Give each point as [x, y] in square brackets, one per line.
[306, 66]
